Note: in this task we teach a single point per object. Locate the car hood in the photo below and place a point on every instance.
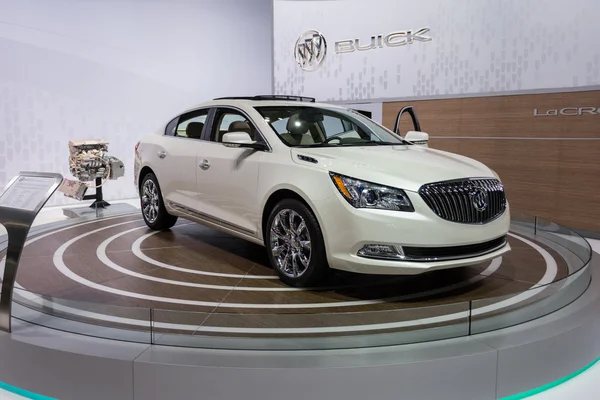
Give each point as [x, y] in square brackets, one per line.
[405, 167]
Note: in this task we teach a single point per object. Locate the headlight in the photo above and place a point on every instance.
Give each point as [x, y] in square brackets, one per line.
[361, 194]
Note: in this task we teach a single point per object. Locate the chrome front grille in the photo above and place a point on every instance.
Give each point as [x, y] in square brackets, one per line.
[468, 201]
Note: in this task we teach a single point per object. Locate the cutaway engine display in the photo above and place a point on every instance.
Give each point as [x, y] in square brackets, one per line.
[89, 162]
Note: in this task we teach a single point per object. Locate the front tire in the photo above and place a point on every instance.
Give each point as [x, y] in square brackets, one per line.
[295, 244]
[153, 209]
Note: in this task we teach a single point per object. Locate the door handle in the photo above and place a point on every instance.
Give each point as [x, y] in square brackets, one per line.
[204, 164]
[161, 154]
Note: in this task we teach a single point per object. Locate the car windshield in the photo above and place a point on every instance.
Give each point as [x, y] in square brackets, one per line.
[306, 126]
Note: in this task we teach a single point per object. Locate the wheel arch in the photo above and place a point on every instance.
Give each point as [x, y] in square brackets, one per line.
[280, 193]
[143, 172]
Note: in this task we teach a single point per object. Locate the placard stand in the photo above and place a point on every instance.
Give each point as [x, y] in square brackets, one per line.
[20, 203]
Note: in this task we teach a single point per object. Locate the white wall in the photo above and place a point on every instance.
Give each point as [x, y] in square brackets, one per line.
[76, 69]
[478, 46]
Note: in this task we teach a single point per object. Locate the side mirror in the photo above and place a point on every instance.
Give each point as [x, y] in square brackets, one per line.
[242, 139]
[416, 137]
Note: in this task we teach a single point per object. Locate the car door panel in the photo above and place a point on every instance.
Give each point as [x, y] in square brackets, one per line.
[176, 158]
[228, 179]
[177, 170]
[227, 189]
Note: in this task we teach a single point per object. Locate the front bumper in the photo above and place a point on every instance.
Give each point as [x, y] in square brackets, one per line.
[347, 230]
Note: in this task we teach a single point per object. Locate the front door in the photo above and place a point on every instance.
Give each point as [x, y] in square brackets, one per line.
[228, 177]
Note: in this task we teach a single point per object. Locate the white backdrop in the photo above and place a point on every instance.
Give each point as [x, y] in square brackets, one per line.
[478, 46]
[76, 69]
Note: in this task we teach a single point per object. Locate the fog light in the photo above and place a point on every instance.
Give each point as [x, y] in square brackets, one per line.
[385, 251]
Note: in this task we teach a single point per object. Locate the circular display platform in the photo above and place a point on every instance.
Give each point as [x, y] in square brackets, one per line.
[195, 282]
[492, 330]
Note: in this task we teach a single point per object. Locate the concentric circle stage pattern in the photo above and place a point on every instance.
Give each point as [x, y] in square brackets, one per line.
[192, 283]
[193, 310]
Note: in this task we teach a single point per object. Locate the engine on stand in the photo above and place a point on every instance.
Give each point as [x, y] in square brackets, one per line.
[89, 162]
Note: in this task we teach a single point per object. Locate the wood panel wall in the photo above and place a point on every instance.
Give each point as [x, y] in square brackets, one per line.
[550, 165]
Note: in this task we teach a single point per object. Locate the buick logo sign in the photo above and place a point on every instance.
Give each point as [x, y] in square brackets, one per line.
[311, 47]
[310, 50]
[478, 198]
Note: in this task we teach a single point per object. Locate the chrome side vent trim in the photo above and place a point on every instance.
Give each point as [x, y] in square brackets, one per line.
[307, 159]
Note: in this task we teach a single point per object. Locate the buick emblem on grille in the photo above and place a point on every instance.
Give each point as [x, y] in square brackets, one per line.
[478, 198]
[468, 201]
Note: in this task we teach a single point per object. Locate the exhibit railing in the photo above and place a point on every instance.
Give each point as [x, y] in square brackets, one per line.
[265, 330]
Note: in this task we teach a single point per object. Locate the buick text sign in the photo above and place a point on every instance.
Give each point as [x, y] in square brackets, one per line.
[311, 47]
[394, 39]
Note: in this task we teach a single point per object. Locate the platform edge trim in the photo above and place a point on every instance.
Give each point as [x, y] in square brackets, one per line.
[550, 385]
[24, 393]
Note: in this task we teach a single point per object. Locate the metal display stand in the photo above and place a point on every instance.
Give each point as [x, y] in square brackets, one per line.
[411, 111]
[98, 198]
[20, 203]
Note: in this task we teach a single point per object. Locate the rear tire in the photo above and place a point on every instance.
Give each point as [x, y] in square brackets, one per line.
[295, 244]
[153, 209]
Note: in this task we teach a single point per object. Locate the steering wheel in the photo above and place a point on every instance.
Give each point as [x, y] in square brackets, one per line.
[331, 139]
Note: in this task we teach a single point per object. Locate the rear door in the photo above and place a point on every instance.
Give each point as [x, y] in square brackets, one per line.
[176, 159]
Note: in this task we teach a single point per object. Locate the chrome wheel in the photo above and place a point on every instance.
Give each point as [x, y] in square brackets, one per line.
[150, 201]
[290, 243]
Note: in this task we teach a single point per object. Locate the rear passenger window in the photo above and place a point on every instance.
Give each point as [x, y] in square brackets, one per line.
[171, 126]
[191, 124]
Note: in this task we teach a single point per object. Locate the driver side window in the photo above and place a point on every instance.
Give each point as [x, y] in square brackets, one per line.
[229, 120]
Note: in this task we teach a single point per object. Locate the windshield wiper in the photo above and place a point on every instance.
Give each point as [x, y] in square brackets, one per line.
[369, 142]
[357, 143]
[317, 145]
[374, 142]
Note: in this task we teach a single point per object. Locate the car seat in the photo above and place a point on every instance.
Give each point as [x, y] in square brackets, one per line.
[297, 131]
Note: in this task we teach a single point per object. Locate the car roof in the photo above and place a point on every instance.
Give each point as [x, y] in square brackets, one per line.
[239, 102]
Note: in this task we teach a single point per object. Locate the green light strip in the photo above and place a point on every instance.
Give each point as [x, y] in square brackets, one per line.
[518, 396]
[23, 392]
[550, 385]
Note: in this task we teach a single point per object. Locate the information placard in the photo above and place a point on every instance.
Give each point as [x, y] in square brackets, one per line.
[24, 197]
[27, 192]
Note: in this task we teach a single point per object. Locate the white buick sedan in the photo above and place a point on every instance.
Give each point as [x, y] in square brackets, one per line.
[321, 187]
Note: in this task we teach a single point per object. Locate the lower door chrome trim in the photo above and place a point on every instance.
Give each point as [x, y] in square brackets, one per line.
[210, 219]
